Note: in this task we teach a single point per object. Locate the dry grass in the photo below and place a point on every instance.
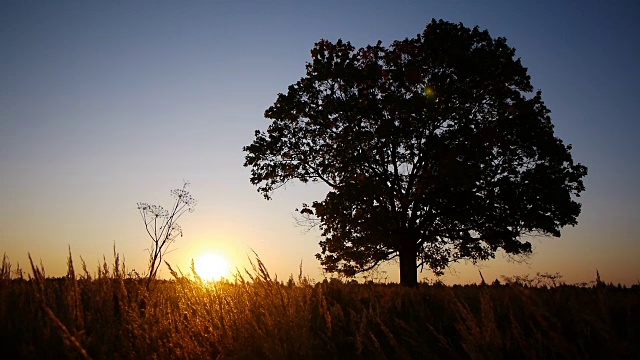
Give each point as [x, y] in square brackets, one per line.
[109, 314]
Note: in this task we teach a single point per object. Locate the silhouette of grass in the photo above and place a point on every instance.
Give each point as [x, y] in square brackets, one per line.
[110, 314]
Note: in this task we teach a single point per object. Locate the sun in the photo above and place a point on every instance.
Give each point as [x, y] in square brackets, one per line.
[212, 266]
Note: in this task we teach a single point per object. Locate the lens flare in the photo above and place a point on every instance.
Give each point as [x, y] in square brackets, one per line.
[429, 93]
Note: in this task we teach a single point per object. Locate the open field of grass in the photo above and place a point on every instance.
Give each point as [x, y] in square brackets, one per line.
[109, 314]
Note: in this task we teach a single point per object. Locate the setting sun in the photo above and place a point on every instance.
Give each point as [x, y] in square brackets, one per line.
[212, 266]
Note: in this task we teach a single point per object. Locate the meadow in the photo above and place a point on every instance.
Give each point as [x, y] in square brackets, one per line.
[108, 313]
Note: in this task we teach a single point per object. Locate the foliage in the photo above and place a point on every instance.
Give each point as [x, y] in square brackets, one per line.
[435, 149]
[162, 226]
[109, 314]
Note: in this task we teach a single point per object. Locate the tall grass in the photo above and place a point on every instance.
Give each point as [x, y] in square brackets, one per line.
[110, 314]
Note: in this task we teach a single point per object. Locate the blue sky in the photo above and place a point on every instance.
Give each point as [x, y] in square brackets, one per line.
[103, 105]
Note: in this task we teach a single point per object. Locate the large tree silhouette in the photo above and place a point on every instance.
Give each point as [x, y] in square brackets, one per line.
[435, 148]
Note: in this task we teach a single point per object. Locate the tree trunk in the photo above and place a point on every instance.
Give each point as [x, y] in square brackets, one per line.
[408, 267]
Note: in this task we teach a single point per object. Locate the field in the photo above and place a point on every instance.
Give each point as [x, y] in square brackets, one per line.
[110, 314]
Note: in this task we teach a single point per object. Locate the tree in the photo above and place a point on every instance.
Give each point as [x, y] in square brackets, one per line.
[162, 226]
[435, 150]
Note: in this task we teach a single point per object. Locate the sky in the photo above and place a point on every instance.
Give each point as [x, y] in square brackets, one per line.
[107, 104]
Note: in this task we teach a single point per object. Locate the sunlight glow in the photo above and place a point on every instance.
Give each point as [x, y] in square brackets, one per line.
[429, 93]
[212, 266]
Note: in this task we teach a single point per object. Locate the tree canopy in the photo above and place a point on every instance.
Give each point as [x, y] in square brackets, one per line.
[435, 148]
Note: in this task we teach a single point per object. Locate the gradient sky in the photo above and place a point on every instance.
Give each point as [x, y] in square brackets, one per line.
[105, 104]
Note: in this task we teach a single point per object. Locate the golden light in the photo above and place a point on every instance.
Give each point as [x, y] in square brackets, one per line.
[212, 266]
[429, 93]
